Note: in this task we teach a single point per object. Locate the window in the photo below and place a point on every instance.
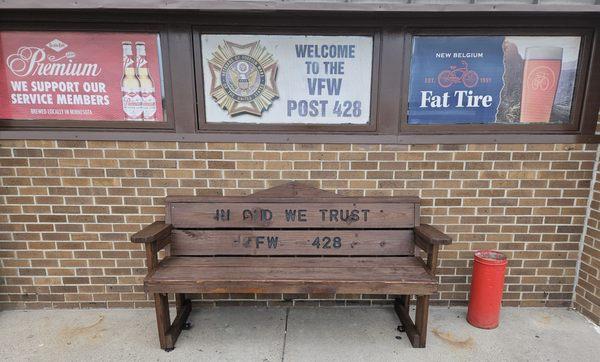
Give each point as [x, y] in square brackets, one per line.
[504, 81]
[82, 78]
[492, 79]
[286, 81]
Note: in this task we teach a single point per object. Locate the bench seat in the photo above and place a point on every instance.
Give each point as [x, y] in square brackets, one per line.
[372, 275]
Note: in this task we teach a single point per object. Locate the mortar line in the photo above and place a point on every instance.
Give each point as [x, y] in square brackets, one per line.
[585, 226]
[287, 313]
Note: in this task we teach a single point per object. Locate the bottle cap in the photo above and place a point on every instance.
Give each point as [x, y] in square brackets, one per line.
[140, 47]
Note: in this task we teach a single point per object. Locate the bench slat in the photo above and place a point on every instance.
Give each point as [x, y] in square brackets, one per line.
[297, 277]
[293, 287]
[329, 262]
[292, 242]
[343, 215]
[266, 272]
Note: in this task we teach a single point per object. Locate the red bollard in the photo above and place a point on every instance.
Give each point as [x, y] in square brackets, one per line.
[487, 285]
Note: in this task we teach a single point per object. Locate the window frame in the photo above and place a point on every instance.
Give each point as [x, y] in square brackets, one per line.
[373, 126]
[107, 125]
[579, 89]
[176, 29]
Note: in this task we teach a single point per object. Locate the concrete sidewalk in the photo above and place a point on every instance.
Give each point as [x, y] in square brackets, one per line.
[295, 334]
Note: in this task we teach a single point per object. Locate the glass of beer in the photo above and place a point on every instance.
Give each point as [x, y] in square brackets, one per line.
[540, 80]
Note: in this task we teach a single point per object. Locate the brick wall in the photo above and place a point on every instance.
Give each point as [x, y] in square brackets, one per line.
[69, 207]
[587, 296]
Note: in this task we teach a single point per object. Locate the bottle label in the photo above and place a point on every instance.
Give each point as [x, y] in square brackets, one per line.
[148, 106]
[132, 106]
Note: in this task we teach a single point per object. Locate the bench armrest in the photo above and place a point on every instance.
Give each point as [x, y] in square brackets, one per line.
[154, 232]
[431, 235]
[154, 237]
[429, 239]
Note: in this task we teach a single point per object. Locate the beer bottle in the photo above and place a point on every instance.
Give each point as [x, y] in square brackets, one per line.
[146, 83]
[130, 86]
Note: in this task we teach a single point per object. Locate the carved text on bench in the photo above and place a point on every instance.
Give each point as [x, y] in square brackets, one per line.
[297, 215]
[271, 242]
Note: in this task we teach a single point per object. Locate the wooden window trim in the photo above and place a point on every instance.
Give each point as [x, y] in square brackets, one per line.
[176, 34]
[310, 7]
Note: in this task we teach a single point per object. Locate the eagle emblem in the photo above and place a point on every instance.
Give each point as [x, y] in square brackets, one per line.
[243, 78]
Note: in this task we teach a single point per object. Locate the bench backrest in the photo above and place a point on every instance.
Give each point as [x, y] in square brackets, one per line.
[292, 219]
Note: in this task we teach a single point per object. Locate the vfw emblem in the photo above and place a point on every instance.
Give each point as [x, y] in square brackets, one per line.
[243, 78]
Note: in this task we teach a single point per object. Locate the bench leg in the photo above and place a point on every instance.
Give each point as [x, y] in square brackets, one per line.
[180, 303]
[167, 331]
[163, 320]
[405, 301]
[416, 331]
[421, 319]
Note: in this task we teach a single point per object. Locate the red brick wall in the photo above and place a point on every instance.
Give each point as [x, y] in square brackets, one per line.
[69, 207]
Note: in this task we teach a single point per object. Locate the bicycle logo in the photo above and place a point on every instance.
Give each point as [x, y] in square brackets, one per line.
[541, 78]
[456, 75]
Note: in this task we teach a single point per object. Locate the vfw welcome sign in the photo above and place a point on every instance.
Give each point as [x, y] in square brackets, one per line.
[287, 78]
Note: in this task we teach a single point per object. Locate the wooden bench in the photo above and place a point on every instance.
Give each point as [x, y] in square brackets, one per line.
[291, 239]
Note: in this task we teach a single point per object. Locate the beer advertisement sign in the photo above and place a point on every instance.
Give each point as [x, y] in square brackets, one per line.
[492, 79]
[297, 79]
[86, 76]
